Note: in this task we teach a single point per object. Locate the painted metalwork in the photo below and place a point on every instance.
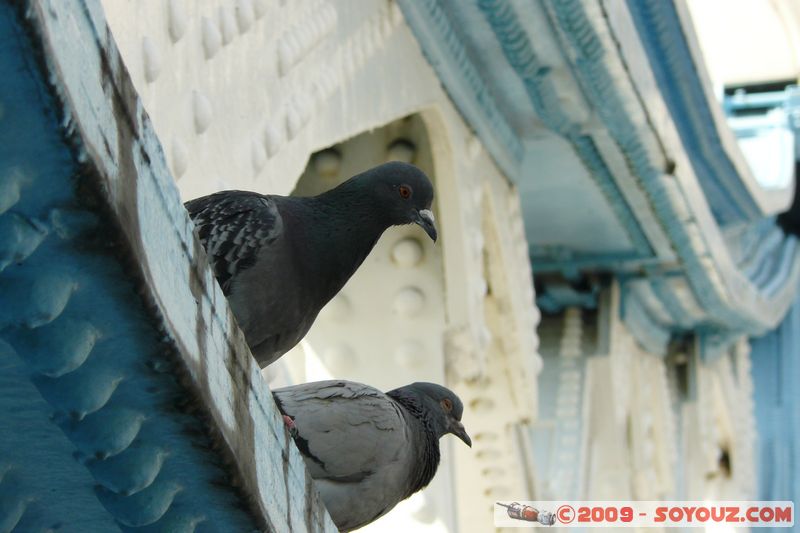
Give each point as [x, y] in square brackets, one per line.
[730, 300]
[777, 408]
[126, 377]
[80, 346]
[671, 59]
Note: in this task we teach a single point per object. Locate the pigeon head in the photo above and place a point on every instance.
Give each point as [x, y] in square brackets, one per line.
[402, 192]
[441, 406]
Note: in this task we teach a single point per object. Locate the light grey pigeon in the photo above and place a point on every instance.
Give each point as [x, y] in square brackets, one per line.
[367, 450]
[280, 259]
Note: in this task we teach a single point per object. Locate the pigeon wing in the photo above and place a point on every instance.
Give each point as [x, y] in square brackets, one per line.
[346, 429]
[234, 227]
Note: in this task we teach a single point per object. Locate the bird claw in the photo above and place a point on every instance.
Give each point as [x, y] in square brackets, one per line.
[288, 421]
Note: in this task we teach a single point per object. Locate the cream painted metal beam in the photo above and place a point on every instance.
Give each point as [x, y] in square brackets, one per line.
[243, 97]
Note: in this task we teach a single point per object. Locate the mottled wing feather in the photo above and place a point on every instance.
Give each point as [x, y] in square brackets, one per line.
[348, 428]
[234, 226]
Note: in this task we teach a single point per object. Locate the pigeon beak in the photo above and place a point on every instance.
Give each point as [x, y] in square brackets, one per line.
[459, 431]
[424, 218]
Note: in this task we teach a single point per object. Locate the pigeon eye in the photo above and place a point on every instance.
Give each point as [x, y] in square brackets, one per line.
[404, 191]
[447, 405]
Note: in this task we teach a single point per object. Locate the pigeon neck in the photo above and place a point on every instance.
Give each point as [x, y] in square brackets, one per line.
[427, 441]
[345, 227]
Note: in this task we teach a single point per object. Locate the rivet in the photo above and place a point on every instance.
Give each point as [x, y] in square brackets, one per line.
[498, 491]
[407, 252]
[294, 121]
[212, 39]
[272, 140]
[10, 183]
[410, 354]
[473, 146]
[151, 60]
[227, 24]
[244, 15]
[493, 472]
[409, 301]
[260, 8]
[489, 455]
[48, 296]
[401, 150]
[20, 236]
[485, 436]
[285, 57]
[339, 359]
[180, 158]
[386, 25]
[481, 405]
[259, 155]
[338, 308]
[202, 112]
[177, 19]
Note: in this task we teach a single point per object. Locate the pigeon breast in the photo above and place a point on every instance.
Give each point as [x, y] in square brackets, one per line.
[364, 450]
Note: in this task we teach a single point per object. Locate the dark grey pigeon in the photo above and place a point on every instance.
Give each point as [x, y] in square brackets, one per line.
[280, 259]
[367, 450]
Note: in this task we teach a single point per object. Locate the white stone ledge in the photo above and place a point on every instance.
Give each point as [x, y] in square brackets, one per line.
[120, 143]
